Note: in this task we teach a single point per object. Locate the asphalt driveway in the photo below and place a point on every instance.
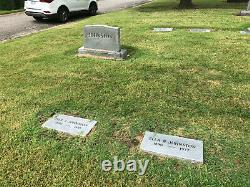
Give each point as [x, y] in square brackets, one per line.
[18, 24]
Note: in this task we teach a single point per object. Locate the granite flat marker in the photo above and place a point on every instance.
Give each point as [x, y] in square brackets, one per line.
[70, 124]
[172, 146]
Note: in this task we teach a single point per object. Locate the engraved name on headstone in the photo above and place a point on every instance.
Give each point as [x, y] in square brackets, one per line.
[172, 146]
[70, 124]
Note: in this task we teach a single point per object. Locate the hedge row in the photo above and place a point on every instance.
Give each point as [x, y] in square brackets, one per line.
[11, 4]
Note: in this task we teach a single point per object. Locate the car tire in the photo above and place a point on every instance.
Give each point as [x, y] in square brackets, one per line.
[63, 15]
[92, 9]
[39, 19]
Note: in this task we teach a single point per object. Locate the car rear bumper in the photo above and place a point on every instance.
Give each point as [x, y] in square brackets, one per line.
[36, 14]
[39, 14]
[39, 9]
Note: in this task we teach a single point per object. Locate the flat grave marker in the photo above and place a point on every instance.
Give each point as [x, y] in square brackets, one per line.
[200, 30]
[172, 146]
[247, 31]
[163, 29]
[69, 124]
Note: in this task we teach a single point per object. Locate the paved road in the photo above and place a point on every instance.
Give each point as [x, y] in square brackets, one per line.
[15, 25]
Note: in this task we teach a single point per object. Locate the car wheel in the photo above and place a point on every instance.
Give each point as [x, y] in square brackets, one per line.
[38, 18]
[92, 9]
[63, 15]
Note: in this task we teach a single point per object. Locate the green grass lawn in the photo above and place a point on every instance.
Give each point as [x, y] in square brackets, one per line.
[195, 85]
[2, 12]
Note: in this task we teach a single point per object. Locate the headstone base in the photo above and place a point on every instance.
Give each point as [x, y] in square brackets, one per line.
[244, 13]
[114, 55]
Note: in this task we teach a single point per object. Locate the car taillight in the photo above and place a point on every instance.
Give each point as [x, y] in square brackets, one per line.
[46, 1]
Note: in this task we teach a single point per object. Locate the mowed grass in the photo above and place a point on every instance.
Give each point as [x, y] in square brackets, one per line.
[2, 12]
[194, 85]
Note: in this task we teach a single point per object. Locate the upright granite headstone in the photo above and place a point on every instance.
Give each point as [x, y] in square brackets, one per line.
[102, 41]
[172, 146]
[246, 12]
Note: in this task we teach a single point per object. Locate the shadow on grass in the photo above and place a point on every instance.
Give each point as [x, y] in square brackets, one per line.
[166, 6]
[132, 51]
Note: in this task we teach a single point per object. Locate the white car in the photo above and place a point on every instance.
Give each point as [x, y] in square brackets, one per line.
[60, 9]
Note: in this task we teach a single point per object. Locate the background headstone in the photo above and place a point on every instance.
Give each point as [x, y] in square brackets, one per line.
[200, 30]
[70, 124]
[102, 41]
[172, 146]
[245, 32]
[163, 29]
[246, 12]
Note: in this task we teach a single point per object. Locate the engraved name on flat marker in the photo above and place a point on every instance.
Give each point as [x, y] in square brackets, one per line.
[70, 124]
[173, 146]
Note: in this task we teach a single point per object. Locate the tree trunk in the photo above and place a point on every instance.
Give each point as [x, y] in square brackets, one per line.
[185, 3]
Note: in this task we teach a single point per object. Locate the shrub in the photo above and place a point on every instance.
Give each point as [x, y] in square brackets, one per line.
[11, 4]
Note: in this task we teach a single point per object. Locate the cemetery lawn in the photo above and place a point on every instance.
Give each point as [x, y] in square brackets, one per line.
[2, 12]
[194, 85]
